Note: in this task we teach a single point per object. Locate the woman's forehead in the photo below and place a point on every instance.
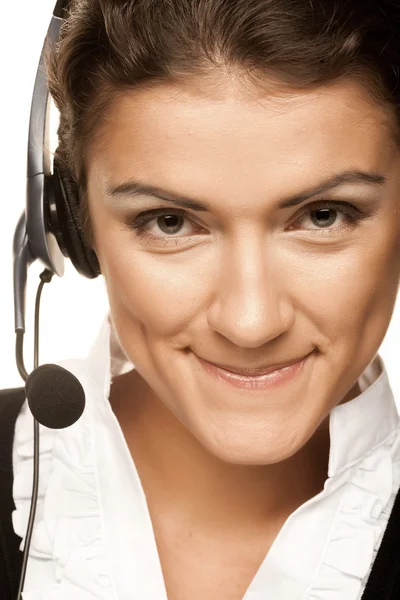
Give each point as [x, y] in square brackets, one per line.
[181, 112]
[168, 135]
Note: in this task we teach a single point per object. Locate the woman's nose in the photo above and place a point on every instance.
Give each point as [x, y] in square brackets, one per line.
[251, 305]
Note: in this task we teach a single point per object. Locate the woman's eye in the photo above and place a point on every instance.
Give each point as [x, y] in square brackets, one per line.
[163, 225]
[329, 216]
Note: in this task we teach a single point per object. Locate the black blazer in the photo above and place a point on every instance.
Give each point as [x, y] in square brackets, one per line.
[383, 582]
[10, 557]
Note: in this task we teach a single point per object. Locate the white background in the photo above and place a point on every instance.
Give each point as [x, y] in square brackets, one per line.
[72, 307]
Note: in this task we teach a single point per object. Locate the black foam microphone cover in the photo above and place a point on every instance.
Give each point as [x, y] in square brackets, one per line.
[55, 396]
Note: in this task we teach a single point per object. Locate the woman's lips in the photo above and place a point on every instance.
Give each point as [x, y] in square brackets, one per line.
[264, 381]
[255, 372]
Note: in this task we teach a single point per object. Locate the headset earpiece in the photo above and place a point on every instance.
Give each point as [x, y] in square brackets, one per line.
[62, 199]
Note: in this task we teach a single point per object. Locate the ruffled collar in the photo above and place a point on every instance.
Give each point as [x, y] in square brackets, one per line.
[359, 426]
[93, 538]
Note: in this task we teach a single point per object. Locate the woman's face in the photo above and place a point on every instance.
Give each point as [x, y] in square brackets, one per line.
[245, 282]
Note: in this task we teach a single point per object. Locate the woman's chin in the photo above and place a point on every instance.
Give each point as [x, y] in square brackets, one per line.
[236, 448]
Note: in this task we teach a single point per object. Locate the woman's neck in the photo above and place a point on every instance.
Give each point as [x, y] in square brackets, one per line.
[186, 484]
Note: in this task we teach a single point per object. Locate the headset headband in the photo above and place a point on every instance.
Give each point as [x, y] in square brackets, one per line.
[38, 165]
[60, 7]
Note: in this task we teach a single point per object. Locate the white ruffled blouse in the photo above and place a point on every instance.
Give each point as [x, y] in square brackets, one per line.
[93, 537]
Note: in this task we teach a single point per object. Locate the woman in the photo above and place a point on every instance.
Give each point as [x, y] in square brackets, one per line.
[238, 169]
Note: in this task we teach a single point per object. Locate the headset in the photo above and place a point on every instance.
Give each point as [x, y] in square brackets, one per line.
[49, 230]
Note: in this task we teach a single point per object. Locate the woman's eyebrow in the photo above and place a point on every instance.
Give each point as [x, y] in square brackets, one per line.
[130, 189]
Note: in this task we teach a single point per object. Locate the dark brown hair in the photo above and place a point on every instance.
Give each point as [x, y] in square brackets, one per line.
[107, 46]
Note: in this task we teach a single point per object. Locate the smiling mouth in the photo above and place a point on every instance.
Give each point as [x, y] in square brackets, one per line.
[255, 372]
